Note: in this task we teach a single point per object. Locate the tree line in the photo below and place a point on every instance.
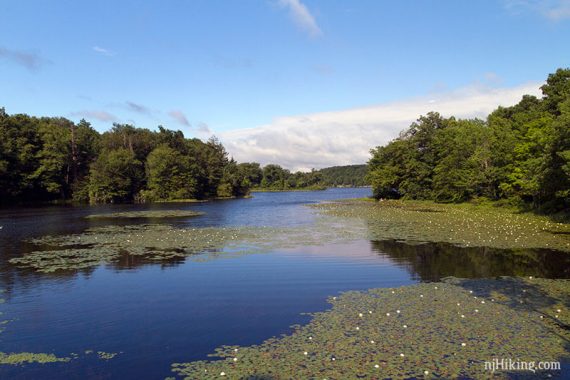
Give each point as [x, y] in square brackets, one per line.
[53, 158]
[49, 158]
[520, 154]
[275, 177]
[345, 176]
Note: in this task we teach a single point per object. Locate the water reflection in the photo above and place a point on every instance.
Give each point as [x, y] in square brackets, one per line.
[433, 261]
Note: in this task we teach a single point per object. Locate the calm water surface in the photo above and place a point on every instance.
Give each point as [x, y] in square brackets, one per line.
[158, 314]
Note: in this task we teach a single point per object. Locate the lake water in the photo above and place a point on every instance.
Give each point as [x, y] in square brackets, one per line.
[159, 314]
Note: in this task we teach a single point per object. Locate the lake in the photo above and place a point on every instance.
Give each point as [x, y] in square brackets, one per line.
[156, 314]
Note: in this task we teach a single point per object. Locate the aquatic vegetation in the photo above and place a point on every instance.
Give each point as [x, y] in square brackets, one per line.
[106, 355]
[158, 242]
[465, 224]
[148, 214]
[20, 358]
[29, 357]
[337, 222]
[364, 336]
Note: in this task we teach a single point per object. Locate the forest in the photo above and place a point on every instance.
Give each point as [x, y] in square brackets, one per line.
[519, 155]
[52, 158]
[274, 177]
[345, 176]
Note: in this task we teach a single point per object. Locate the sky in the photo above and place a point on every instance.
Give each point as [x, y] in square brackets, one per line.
[301, 83]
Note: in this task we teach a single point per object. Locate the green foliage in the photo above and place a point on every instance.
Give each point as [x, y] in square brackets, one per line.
[171, 175]
[116, 176]
[345, 176]
[43, 159]
[520, 153]
[275, 178]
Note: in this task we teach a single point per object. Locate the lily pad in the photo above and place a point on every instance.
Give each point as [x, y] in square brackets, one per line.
[437, 330]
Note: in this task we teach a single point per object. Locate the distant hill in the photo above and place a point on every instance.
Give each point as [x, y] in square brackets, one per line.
[348, 175]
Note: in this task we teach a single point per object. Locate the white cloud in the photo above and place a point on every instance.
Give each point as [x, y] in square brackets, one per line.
[103, 51]
[302, 17]
[346, 137]
[559, 12]
[555, 10]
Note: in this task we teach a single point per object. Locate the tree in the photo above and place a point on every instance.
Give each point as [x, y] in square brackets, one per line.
[215, 159]
[170, 175]
[116, 176]
[235, 181]
[274, 176]
[252, 172]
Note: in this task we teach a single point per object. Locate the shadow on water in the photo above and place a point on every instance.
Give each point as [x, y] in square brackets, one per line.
[434, 261]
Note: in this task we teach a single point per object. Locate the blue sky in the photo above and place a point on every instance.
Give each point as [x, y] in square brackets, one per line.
[241, 69]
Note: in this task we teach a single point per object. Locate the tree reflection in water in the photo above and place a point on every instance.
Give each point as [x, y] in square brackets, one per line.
[433, 261]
